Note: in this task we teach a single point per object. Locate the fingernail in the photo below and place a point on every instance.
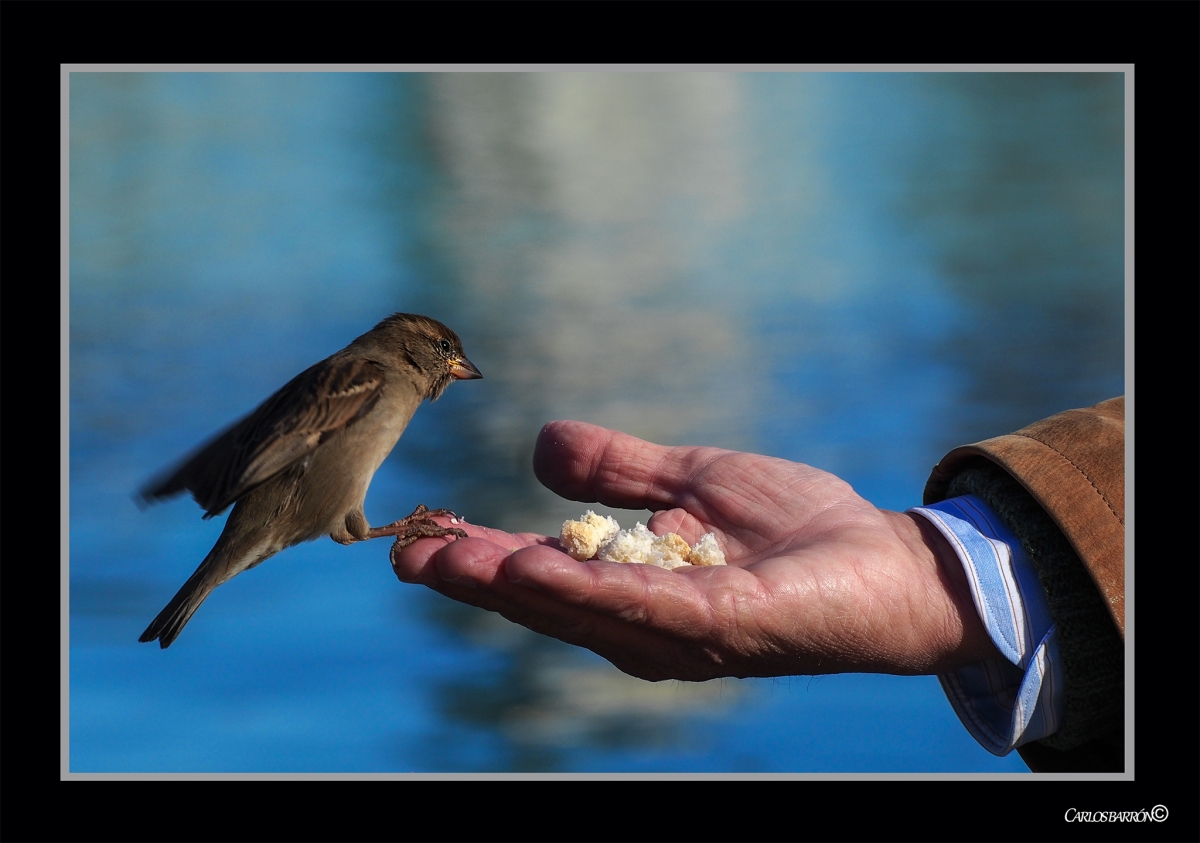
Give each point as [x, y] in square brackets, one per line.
[398, 569]
[460, 579]
[521, 581]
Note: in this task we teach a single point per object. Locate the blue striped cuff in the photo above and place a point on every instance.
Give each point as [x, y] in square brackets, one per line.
[1004, 703]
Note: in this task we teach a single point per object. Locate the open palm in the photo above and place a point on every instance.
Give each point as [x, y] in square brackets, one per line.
[818, 580]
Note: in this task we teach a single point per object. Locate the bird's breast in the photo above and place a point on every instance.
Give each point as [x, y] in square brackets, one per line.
[340, 469]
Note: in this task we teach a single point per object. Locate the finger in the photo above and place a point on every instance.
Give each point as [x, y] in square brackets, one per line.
[474, 571]
[548, 581]
[647, 621]
[509, 540]
[585, 462]
[642, 595]
[512, 541]
[410, 563]
[678, 521]
[469, 571]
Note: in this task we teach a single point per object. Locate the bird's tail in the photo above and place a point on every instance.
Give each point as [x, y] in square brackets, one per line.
[240, 547]
[225, 561]
[171, 620]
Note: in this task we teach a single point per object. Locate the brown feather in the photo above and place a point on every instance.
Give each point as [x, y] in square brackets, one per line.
[321, 400]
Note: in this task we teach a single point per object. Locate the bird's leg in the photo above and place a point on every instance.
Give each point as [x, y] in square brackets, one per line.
[419, 525]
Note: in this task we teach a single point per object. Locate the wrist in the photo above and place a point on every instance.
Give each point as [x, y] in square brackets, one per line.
[956, 634]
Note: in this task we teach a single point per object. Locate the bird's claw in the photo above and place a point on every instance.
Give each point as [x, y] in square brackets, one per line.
[418, 525]
[419, 515]
[421, 531]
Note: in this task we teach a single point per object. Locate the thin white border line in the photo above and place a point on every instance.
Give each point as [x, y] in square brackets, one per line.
[64, 671]
[589, 776]
[64, 421]
[595, 68]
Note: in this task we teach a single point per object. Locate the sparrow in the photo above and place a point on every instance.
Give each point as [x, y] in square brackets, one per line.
[298, 467]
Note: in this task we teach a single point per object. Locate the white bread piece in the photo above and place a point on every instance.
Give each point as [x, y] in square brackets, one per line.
[706, 552]
[601, 537]
[581, 539]
[639, 546]
[669, 551]
[628, 546]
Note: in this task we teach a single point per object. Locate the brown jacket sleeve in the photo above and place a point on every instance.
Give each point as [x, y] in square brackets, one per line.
[1059, 484]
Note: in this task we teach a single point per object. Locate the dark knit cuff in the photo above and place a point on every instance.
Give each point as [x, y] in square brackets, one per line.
[1092, 652]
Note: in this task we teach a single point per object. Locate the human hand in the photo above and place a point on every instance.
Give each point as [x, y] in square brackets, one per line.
[818, 580]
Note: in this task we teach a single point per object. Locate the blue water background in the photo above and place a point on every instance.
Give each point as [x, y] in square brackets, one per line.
[858, 271]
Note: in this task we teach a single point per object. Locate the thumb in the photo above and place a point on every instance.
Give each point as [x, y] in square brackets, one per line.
[584, 462]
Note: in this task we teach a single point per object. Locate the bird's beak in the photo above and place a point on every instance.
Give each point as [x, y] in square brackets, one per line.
[464, 369]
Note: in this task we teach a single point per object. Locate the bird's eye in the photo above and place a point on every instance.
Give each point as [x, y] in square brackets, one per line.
[445, 344]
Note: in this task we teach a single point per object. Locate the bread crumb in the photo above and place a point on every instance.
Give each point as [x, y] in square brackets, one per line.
[601, 537]
[706, 552]
[581, 539]
[628, 546]
[669, 551]
[641, 547]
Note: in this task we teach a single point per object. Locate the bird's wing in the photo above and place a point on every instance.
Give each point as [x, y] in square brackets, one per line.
[287, 427]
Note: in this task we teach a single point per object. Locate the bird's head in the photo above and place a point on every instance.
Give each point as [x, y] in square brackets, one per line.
[429, 347]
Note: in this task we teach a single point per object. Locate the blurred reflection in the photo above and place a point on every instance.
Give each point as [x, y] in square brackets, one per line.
[545, 705]
[569, 209]
[1028, 213]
